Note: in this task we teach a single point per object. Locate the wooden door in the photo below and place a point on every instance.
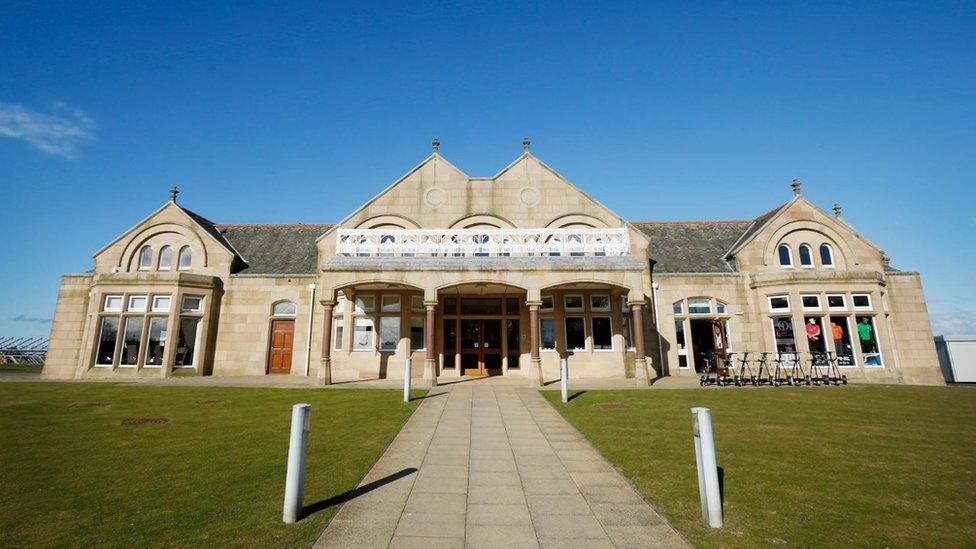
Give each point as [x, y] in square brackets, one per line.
[491, 347]
[471, 347]
[513, 351]
[282, 341]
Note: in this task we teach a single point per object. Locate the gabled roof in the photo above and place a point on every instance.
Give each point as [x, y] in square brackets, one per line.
[691, 246]
[757, 224]
[212, 230]
[275, 249]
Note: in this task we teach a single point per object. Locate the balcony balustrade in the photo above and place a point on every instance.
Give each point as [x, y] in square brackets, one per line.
[574, 242]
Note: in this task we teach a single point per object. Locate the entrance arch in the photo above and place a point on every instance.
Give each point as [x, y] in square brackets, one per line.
[482, 328]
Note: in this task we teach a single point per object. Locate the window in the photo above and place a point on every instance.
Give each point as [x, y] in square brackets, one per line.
[511, 306]
[282, 308]
[337, 326]
[417, 341]
[363, 334]
[826, 255]
[573, 302]
[840, 330]
[835, 302]
[186, 258]
[816, 338]
[340, 306]
[547, 303]
[785, 257]
[628, 329]
[575, 333]
[113, 303]
[107, 335]
[806, 256]
[192, 304]
[417, 304]
[160, 303]
[861, 301]
[699, 306]
[679, 332]
[145, 258]
[547, 333]
[779, 303]
[165, 258]
[389, 333]
[679, 307]
[602, 333]
[481, 306]
[131, 340]
[783, 335]
[868, 338]
[186, 344]
[156, 341]
[720, 307]
[365, 303]
[390, 303]
[137, 303]
[810, 302]
[599, 302]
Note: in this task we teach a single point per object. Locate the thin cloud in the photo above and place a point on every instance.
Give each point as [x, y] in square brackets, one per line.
[56, 133]
[954, 322]
[31, 319]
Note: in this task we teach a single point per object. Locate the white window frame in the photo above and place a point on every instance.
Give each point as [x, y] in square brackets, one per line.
[142, 252]
[423, 328]
[121, 344]
[586, 334]
[600, 309]
[373, 339]
[159, 260]
[132, 309]
[555, 340]
[179, 259]
[789, 254]
[706, 299]
[115, 347]
[165, 340]
[273, 307]
[592, 335]
[678, 307]
[379, 332]
[769, 303]
[199, 308]
[579, 309]
[843, 297]
[877, 343]
[804, 307]
[682, 352]
[393, 300]
[830, 251]
[107, 309]
[869, 307]
[542, 306]
[196, 341]
[799, 256]
[721, 307]
[365, 303]
[833, 342]
[157, 307]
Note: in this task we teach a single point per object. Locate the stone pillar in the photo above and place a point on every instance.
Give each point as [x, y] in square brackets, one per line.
[325, 371]
[535, 368]
[430, 362]
[640, 362]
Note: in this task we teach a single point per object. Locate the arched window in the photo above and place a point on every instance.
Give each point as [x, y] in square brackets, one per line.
[145, 258]
[186, 257]
[785, 257]
[165, 258]
[826, 255]
[284, 308]
[806, 256]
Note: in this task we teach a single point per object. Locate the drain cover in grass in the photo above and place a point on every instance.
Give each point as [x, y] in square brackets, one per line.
[90, 405]
[145, 421]
[209, 402]
[613, 406]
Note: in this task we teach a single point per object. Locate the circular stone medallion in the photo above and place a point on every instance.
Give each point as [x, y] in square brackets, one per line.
[530, 196]
[435, 196]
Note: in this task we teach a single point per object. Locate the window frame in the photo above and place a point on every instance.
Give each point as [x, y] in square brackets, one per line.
[423, 333]
[146, 348]
[789, 256]
[394, 301]
[145, 303]
[145, 252]
[586, 336]
[707, 300]
[180, 256]
[818, 307]
[830, 254]
[606, 309]
[156, 308]
[274, 308]
[856, 307]
[799, 253]
[582, 301]
[379, 340]
[159, 259]
[592, 336]
[843, 298]
[769, 303]
[107, 309]
[372, 333]
[542, 305]
[361, 301]
[555, 340]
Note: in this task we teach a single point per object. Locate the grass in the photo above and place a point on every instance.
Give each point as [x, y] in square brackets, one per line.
[879, 466]
[22, 368]
[214, 475]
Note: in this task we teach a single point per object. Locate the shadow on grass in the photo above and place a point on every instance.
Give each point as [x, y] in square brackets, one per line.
[574, 395]
[309, 510]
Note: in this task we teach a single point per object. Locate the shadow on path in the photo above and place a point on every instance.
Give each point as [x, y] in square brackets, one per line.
[355, 492]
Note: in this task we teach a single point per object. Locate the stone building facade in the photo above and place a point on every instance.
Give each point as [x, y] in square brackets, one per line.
[500, 275]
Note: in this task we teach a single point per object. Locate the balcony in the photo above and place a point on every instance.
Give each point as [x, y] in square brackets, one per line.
[441, 243]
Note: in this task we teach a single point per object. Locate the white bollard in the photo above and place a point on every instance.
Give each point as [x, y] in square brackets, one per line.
[406, 380]
[295, 477]
[708, 488]
[564, 378]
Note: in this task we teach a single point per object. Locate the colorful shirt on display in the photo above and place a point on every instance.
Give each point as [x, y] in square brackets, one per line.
[864, 331]
[838, 331]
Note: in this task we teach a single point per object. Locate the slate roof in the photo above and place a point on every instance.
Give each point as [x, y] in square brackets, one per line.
[275, 249]
[692, 246]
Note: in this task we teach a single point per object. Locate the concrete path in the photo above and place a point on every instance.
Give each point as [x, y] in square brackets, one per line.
[494, 466]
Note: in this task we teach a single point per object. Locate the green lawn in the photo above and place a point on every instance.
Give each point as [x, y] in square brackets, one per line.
[869, 466]
[22, 368]
[214, 475]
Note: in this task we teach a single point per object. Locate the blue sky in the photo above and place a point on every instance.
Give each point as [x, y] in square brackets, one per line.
[300, 113]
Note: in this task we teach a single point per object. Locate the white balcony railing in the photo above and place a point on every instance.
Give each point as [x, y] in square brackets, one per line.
[482, 242]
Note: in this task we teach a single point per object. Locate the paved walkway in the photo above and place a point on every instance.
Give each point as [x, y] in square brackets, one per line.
[483, 465]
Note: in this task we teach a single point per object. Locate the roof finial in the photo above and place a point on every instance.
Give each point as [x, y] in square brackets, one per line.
[436, 144]
[526, 144]
[885, 260]
[796, 187]
[836, 209]
[172, 194]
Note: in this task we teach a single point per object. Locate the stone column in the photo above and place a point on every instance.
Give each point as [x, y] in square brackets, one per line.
[430, 363]
[640, 362]
[325, 371]
[535, 368]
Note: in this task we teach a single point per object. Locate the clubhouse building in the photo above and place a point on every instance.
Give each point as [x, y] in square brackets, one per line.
[500, 275]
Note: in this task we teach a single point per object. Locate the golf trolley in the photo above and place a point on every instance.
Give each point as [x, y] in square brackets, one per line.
[716, 370]
[745, 373]
[824, 369]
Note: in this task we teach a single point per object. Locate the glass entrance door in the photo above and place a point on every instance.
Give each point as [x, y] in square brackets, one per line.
[481, 347]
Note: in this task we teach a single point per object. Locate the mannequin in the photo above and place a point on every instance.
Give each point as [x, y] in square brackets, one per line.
[813, 329]
[837, 331]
